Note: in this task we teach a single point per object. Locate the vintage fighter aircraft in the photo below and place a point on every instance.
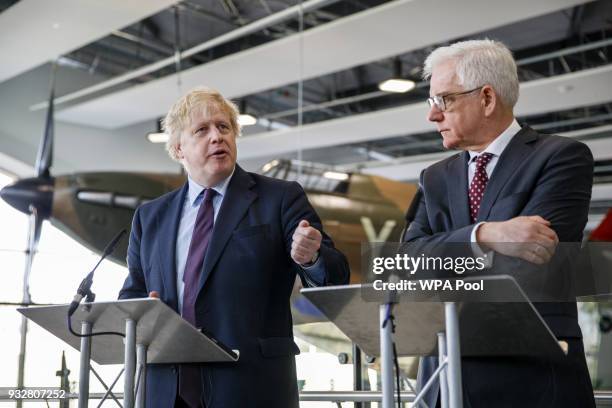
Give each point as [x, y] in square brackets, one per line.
[92, 207]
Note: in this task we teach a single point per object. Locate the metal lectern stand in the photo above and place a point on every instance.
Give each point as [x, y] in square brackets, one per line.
[154, 333]
[448, 329]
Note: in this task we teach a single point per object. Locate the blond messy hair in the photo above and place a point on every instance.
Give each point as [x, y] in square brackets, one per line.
[179, 116]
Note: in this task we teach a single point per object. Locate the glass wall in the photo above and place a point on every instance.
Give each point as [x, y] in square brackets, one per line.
[58, 268]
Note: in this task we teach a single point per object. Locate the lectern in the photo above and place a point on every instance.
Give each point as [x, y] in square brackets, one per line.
[154, 333]
[501, 322]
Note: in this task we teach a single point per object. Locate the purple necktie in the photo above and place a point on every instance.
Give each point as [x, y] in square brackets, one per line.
[478, 184]
[190, 385]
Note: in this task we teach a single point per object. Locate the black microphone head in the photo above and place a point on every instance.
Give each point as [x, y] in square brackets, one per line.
[414, 206]
[113, 244]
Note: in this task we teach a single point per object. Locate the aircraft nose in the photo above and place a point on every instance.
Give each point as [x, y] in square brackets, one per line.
[31, 191]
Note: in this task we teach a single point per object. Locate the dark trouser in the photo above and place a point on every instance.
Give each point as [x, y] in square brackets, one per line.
[510, 382]
[180, 403]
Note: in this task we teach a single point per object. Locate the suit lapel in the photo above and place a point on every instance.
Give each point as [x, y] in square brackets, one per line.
[236, 202]
[168, 223]
[456, 185]
[511, 158]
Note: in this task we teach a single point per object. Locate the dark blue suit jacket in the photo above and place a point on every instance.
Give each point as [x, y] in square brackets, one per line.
[246, 283]
[537, 174]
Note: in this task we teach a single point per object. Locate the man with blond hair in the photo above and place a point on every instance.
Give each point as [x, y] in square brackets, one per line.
[224, 251]
[509, 184]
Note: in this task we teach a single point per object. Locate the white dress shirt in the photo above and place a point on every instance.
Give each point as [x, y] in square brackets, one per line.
[496, 148]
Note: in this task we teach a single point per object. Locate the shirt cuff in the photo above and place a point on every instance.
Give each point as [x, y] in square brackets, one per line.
[477, 250]
[315, 273]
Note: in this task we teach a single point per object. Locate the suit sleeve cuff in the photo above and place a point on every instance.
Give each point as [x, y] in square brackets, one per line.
[315, 272]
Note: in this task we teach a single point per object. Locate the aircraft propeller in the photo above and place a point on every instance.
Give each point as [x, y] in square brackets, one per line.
[34, 196]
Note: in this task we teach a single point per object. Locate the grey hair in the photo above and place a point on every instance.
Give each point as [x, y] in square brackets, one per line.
[179, 116]
[478, 63]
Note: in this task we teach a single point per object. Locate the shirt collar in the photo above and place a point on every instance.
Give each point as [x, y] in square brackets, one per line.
[193, 193]
[499, 144]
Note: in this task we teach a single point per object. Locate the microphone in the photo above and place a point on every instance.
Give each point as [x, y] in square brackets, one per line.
[110, 248]
[414, 206]
[412, 211]
[85, 286]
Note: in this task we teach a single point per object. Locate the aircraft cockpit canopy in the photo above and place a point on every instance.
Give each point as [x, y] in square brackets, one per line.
[311, 176]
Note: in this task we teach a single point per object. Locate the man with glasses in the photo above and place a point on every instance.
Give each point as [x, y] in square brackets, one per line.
[509, 184]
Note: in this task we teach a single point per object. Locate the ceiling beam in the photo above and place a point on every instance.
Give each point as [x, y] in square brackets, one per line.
[583, 88]
[33, 32]
[381, 32]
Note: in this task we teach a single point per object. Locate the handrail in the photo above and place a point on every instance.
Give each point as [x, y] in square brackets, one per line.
[602, 398]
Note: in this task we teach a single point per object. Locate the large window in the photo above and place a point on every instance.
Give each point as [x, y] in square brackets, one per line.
[58, 268]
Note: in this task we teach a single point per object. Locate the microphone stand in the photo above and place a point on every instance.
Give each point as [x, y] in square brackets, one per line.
[84, 291]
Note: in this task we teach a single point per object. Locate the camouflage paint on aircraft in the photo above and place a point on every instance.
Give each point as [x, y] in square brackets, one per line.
[92, 207]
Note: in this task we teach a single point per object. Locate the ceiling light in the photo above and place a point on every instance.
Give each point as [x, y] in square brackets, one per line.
[269, 166]
[156, 137]
[396, 85]
[247, 120]
[335, 175]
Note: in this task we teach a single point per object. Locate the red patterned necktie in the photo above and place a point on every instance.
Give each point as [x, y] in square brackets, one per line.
[190, 383]
[478, 184]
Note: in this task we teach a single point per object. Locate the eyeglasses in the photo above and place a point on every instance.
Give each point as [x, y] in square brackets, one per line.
[440, 100]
